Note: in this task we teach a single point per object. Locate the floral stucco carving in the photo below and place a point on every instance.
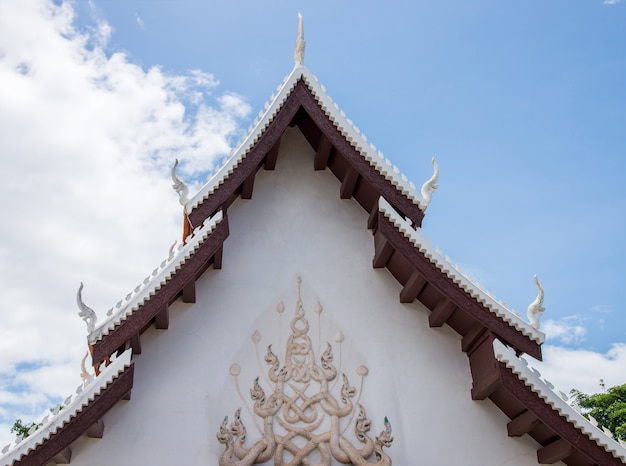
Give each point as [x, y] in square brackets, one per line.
[305, 409]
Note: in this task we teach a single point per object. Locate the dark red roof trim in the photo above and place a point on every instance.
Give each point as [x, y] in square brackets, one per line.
[168, 293]
[397, 243]
[90, 415]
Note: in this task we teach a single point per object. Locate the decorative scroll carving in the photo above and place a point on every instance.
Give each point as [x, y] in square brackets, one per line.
[85, 376]
[536, 309]
[298, 53]
[179, 186]
[303, 418]
[430, 186]
[85, 312]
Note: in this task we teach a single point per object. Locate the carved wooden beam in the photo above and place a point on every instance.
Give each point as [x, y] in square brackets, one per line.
[557, 424]
[441, 313]
[322, 154]
[412, 288]
[554, 452]
[354, 158]
[135, 343]
[63, 457]
[169, 291]
[272, 156]
[472, 338]
[522, 424]
[372, 220]
[348, 184]
[189, 292]
[446, 286]
[217, 258]
[88, 416]
[96, 430]
[382, 252]
[248, 186]
[162, 318]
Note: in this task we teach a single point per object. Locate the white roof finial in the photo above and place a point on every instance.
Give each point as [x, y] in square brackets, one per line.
[179, 186]
[86, 313]
[298, 54]
[430, 186]
[536, 309]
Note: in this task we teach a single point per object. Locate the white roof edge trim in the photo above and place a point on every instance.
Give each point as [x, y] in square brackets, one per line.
[521, 369]
[345, 126]
[73, 405]
[424, 245]
[158, 278]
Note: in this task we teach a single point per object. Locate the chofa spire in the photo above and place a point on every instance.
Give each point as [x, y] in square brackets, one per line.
[298, 53]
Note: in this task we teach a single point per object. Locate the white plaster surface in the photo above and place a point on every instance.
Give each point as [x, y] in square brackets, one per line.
[296, 225]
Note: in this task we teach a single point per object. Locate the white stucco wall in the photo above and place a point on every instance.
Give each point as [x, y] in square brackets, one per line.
[296, 225]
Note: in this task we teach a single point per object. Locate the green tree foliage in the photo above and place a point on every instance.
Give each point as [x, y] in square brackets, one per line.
[608, 408]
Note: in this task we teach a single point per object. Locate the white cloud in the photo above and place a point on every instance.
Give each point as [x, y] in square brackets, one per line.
[568, 329]
[611, 2]
[582, 369]
[86, 142]
[140, 22]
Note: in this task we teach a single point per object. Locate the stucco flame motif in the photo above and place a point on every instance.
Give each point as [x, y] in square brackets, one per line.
[536, 309]
[84, 373]
[298, 53]
[431, 185]
[303, 421]
[179, 186]
[85, 312]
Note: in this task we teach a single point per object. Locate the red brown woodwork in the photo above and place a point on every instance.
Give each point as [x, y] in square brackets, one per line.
[162, 318]
[382, 252]
[167, 294]
[586, 447]
[217, 258]
[446, 287]
[135, 343]
[441, 313]
[189, 292]
[412, 288]
[90, 415]
[348, 184]
[324, 148]
[265, 149]
[472, 338]
[522, 424]
[96, 430]
[63, 457]
[556, 451]
[272, 157]
[247, 187]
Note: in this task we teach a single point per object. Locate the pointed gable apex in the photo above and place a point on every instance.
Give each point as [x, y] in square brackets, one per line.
[327, 129]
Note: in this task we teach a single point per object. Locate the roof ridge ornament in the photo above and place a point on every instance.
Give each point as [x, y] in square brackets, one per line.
[298, 53]
[430, 186]
[536, 309]
[179, 186]
[86, 313]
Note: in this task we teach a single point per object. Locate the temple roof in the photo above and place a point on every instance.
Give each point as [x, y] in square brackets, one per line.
[492, 335]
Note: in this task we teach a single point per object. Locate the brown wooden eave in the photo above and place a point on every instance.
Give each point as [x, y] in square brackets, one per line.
[359, 179]
[155, 308]
[447, 301]
[88, 420]
[559, 439]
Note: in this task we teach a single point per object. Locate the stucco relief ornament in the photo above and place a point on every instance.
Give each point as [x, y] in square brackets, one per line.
[304, 417]
[536, 309]
[85, 312]
[179, 186]
[430, 186]
[298, 53]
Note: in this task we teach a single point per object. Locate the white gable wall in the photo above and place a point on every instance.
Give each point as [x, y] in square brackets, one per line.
[296, 225]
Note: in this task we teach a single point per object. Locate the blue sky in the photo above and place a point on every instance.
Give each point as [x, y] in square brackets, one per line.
[522, 103]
